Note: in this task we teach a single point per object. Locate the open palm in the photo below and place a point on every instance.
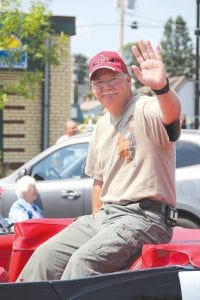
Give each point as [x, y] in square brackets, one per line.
[151, 70]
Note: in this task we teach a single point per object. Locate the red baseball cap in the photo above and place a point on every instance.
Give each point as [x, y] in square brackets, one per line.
[107, 59]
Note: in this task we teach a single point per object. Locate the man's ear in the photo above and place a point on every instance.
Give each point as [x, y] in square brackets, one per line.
[128, 77]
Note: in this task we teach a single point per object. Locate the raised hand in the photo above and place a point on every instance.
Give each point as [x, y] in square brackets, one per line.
[151, 70]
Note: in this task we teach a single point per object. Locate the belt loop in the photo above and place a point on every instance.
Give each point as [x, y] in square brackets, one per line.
[163, 209]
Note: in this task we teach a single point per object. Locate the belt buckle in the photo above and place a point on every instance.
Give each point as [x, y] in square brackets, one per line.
[172, 216]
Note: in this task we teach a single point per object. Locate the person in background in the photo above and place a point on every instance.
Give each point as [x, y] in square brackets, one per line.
[24, 208]
[131, 158]
[70, 130]
[183, 121]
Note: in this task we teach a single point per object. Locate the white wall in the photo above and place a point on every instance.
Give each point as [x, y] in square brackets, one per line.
[187, 96]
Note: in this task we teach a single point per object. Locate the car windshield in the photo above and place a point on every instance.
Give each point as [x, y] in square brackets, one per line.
[187, 154]
[65, 163]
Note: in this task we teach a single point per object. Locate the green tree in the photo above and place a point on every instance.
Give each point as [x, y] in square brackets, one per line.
[177, 48]
[81, 74]
[81, 68]
[33, 29]
[128, 56]
[130, 59]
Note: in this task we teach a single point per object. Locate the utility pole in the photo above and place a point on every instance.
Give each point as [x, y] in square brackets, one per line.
[121, 5]
[197, 90]
[121, 42]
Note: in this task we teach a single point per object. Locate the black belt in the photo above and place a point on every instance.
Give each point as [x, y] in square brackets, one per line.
[169, 212]
[153, 205]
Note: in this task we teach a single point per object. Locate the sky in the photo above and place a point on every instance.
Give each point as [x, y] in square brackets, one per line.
[98, 22]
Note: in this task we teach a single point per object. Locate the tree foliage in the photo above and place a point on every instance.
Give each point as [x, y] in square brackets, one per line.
[33, 29]
[130, 59]
[128, 56]
[81, 68]
[81, 74]
[177, 48]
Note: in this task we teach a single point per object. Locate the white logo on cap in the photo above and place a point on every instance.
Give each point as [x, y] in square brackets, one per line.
[102, 59]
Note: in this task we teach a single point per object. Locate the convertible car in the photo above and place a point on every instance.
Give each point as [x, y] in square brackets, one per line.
[166, 271]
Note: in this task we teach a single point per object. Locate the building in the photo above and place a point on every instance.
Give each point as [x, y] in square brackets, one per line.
[28, 127]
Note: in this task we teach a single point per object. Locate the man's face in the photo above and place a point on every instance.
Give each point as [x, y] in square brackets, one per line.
[71, 129]
[111, 89]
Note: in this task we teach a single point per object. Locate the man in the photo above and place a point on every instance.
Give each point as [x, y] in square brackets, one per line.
[70, 130]
[132, 160]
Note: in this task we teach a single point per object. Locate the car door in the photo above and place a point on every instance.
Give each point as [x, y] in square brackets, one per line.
[63, 188]
[65, 198]
[188, 182]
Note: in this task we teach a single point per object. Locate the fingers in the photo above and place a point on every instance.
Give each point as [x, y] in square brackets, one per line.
[150, 50]
[158, 53]
[140, 52]
[137, 72]
[137, 55]
[145, 51]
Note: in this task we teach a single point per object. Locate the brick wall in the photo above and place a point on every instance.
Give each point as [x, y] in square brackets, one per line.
[60, 95]
[22, 118]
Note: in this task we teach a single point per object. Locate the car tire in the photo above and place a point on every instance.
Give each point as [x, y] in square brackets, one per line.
[186, 223]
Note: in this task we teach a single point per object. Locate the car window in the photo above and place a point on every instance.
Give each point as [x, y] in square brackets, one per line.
[187, 154]
[65, 163]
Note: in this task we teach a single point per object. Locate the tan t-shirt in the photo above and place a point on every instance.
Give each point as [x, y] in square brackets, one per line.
[132, 155]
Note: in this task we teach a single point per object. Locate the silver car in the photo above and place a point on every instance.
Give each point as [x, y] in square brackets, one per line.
[188, 178]
[63, 188]
[65, 191]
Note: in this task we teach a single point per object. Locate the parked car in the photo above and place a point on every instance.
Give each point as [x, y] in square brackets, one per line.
[65, 191]
[63, 188]
[188, 178]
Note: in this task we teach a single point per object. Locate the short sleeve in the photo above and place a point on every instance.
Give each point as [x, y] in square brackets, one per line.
[92, 167]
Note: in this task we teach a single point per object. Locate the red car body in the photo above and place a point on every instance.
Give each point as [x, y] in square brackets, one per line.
[16, 248]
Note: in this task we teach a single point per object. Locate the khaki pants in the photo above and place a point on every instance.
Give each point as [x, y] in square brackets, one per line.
[107, 242]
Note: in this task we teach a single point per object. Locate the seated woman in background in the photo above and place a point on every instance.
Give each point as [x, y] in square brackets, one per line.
[24, 208]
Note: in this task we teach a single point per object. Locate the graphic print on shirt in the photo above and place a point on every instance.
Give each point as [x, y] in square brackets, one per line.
[126, 142]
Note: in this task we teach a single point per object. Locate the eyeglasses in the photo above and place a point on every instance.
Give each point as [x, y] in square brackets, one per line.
[99, 84]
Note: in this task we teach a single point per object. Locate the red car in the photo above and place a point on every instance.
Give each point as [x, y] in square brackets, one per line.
[164, 267]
